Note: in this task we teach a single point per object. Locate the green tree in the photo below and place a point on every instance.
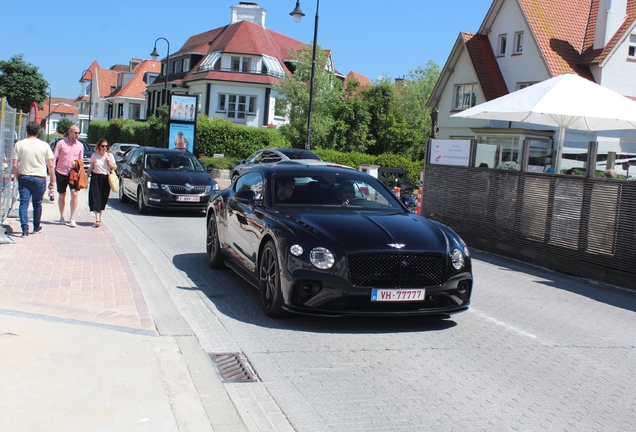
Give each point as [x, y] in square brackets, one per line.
[21, 83]
[63, 126]
[328, 91]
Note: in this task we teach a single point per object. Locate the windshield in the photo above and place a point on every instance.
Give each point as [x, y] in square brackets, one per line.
[181, 162]
[333, 191]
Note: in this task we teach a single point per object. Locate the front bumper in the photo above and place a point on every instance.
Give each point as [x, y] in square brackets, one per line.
[324, 297]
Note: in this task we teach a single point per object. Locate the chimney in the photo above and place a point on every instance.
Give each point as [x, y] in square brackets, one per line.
[133, 64]
[248, 11]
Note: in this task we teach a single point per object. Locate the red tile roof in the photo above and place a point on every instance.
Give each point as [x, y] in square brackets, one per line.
[489, 75]
[88, 76]
[362, 80]
[136, 87]
[106, 80]
[599, 55]
[242, 37]
[58, 106]
[559, 27]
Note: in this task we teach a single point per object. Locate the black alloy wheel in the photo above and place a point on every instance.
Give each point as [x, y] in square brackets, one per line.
[212, 245]
[122, 195]
[271, 295]
[141, 205]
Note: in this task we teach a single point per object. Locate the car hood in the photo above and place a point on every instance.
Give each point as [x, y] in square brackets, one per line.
[180, 177]
[353, 230]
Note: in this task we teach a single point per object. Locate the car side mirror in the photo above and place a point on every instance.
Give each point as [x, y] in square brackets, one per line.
[245, 196]
[209, 168]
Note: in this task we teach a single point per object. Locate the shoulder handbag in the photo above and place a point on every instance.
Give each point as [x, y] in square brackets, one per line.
[113, 181]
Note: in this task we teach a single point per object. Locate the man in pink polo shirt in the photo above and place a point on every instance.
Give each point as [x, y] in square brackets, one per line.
[67, 152]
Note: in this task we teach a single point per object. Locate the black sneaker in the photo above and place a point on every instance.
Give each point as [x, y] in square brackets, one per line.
[25, 234]
[37, 230]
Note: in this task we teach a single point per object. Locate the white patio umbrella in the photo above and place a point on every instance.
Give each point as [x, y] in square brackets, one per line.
[566, 101]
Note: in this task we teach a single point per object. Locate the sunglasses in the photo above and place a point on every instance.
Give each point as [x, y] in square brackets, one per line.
[104, 145]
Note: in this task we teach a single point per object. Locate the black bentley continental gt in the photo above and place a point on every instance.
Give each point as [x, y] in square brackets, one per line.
[164, 178]
[332, 241]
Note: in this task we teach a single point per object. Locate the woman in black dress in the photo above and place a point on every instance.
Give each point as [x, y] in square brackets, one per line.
[102, 161]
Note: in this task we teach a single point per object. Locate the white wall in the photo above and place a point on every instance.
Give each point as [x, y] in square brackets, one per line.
[239, 89]
[528, 66]
[463, 74]
[619, 71]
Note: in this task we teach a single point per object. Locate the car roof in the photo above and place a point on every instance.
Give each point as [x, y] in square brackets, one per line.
[294, 153]
[304, 169]
[146, 149]
[313, 163]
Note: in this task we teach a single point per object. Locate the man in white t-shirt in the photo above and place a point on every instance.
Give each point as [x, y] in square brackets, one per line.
[30, 160]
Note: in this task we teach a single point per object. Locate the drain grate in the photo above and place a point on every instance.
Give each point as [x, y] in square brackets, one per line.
[233, 367]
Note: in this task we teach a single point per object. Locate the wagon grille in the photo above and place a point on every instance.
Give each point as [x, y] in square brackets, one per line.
[182, 190]
[396, 270]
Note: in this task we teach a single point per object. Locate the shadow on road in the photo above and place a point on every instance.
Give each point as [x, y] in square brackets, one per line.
[608, 294]
[234, 297]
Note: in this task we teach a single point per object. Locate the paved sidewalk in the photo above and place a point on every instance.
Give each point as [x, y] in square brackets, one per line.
[79, 349]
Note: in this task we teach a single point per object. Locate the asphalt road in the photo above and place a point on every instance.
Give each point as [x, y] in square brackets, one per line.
[537, 350]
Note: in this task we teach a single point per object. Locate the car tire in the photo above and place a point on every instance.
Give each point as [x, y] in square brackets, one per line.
[122, 195]
[141, 205]
[234, 177]
[212, 245]
[269, 276]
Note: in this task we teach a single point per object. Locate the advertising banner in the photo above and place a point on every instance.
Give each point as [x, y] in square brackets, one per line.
[450, 152]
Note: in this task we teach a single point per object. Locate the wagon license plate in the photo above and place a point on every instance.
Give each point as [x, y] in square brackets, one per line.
[195, 198]
[398, 295]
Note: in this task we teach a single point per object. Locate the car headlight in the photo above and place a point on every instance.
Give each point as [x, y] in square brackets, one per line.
[457, 258]
[322, 258]
[152, 185]
[296, 250]
[215, 187]
[466, 251]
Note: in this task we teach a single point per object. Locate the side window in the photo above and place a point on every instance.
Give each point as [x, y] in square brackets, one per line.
[270, 156]
[255, 157]
[135, 157]
[250, 181]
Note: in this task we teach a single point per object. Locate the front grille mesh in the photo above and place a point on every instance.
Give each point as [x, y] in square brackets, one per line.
[182, 190]
[396, 270]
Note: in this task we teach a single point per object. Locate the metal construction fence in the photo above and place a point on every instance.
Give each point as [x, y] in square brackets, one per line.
[579, 225]
[12, 128]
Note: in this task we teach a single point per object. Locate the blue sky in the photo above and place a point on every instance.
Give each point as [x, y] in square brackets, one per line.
[371, 37]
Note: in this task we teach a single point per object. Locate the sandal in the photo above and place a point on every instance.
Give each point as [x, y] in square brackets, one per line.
[96, 224]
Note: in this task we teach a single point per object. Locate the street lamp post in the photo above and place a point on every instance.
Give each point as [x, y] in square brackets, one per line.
[387, 97]
[48, 117]
[154, 56]
[298, 14]
[90, 103]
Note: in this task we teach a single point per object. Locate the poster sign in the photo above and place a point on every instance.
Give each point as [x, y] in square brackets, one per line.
[181, 136]
[450, 152]
[183, 108]
[182, 121]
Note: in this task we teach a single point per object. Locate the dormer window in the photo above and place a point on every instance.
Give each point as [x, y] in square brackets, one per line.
[501, 48]
[273, 66]
[186, 65]
[518, 42]
[210, 61]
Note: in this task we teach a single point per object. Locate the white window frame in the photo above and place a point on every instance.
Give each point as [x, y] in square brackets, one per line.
[518, 47]
[130, 111]
[186, 65]
[237, 107]
[464, 96]
[501, 47]
[522, 85]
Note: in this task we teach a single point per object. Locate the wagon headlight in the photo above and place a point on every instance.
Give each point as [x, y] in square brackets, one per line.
[457, 258]
[322, 258]
[152, 185]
